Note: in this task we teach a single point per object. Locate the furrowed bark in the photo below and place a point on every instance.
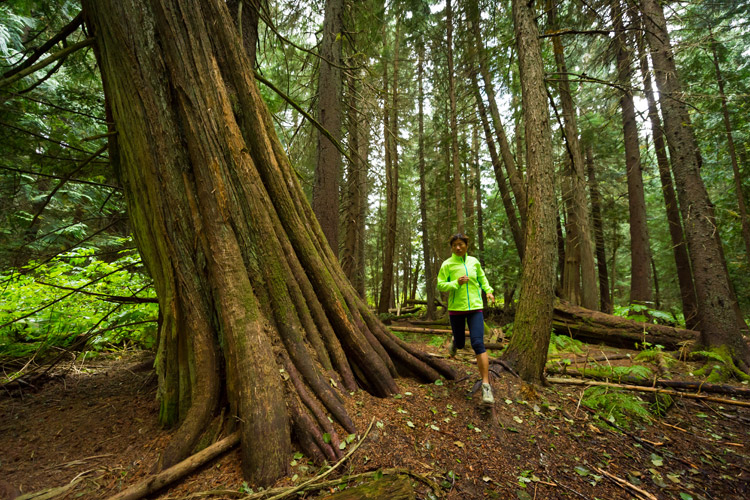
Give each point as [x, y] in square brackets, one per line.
[246, 281]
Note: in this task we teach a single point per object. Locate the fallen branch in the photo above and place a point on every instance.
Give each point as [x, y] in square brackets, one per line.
[626, 485]
[674, 384]
[319, 476]
[167, 476]
[426, 331]
[626, 387]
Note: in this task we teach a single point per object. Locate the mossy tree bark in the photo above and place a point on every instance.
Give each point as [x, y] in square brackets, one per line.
[719, 322]
[255, 308]
[527, 350]
[679, 247]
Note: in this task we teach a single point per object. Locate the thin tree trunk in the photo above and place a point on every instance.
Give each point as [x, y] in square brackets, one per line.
[455, 163]
[718, 322]
[640, 250]
[325, 198]
[579, 239]
[392, 179]
[354, 195]
[605, 299]
[527, 350]
[478, 193]
[679, 247]
[745, 221]
[430, 282]
[510, 210]
[514, 175]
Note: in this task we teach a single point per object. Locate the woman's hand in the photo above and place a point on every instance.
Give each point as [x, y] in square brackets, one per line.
[463, 279]
[490, 297]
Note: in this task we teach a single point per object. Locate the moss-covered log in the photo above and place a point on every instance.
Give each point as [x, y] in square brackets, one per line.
[595, 326]
[255, 309]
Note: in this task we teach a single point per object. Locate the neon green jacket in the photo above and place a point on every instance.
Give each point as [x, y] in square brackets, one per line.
[466, 297]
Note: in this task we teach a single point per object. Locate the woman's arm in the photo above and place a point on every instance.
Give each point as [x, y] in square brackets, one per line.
[443, 281]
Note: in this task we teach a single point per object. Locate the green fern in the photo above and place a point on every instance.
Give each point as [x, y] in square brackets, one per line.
[616, 406]
[563, 343]
[619, 372]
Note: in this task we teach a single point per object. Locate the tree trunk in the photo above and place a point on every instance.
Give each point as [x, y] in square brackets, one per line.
[528, 347]
[391, 178]
[510, 210]
[455, 163]
[640, 251]
[679, 248]
[325, 198]
[430, 281]
[477, 184]
[718, 321]
[744, 220]
[255, 308]
[514, 175]
[247, 15]
[355, 196]
[605, 299]
[579, 238]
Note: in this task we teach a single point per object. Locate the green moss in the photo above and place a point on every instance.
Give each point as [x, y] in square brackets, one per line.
[719, 365]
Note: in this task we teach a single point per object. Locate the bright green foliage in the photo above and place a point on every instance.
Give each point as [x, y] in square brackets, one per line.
[616, 406]
[616, 373]
[77, 319]
[645, 314]
[563, 343]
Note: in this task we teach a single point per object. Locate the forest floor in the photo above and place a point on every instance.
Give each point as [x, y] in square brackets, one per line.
[93, 430]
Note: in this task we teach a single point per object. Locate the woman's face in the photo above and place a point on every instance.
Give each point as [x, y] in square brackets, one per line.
[459, 247]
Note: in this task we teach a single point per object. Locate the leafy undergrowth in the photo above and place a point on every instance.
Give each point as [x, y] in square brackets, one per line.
[98, 424]
[74, 302]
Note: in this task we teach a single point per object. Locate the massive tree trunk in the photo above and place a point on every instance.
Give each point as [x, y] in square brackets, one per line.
[578, 240]
[679, 247]
[718, 321]
[325, 198]
[640, 250]
[531, 332]
[605, 299]
[429, 269]
[255, 308]
[455, 163]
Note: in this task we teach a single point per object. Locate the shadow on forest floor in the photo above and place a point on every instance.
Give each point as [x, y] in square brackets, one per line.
[95, 430]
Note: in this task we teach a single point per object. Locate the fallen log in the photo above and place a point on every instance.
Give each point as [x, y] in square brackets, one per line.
[689, 395]
[177, 471]
[594, 326]
[672, 384]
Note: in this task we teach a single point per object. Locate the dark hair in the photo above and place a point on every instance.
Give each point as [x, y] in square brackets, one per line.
[459, 236]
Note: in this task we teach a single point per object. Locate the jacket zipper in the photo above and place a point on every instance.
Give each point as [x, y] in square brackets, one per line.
[468, 300]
